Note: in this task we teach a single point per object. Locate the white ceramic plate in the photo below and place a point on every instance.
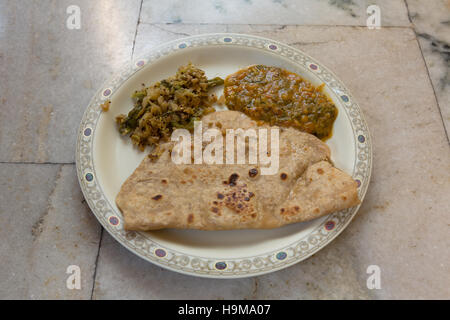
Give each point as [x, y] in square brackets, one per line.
[105, 160]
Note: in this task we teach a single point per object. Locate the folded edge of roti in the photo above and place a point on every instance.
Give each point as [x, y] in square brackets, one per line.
[160, 194]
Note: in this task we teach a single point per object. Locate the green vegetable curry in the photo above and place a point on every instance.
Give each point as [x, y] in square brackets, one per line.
[282, 98]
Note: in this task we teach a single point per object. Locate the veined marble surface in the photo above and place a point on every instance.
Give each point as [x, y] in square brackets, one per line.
[431, 21]
[296, 12]
[398, 74]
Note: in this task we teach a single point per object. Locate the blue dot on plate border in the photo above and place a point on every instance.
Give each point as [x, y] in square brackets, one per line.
[361, 138]
[161, 253]
[182, 45]
[220, 265]
[281, 255]
[113, 220]
[87, 132]
[89, 177]
[313, 66]
[273, 47]
[329, 225]
[227, 39]
[344, 98]
[106, 92]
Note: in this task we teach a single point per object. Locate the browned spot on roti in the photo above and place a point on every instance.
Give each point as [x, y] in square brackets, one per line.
[297, 208]
[344, 198]
[183, 182]
[236, 198]
[164, 181]
[190, 218]
[320, 171]
[288, 212]
[214, 209]
[316, 210]
[253, 172]
[283, 176]
[232, 179]
[157, 197]
[220, 196]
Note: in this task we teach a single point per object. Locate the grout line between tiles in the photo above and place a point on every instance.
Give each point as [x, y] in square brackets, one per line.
[96, 263]
[172, 32]
[270, 24]
[136, 30]
[407, 11]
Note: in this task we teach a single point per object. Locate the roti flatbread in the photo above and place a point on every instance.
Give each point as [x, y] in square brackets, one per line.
[161, 194]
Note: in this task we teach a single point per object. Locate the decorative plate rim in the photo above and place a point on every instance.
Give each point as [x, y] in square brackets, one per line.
[271, 261]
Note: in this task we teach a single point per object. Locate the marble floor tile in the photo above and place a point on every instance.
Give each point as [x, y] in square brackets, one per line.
[431, 20]
[152, 35]
[21, 206]
[53, 72]
[123, 275]
[68, 234]
[335, 272]
[402, 226]
[298, 12]
[45, 227]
